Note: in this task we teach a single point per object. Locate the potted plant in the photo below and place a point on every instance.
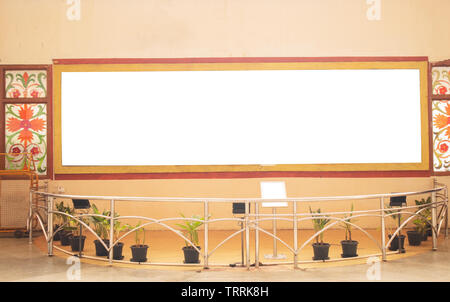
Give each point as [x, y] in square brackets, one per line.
[398, 241]
[68, 227]
[425, 218]
[117, 228]
[101, 230]
[415, 237]
[76, 243]
[191, 255]
[349, 246]
[60, 220]
[139, 249]
[321, 249]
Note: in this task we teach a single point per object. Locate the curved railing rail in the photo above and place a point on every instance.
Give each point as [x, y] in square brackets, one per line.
[250, 221]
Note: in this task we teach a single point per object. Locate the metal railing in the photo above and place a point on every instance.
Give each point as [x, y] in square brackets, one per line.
[251, 222]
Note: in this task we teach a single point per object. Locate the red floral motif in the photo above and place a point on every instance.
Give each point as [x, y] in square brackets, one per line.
[15, 150]
[35, 151]
[34, 93]
[25, 77]
[442, 90]
[443, 148]
[16, 93]
[25, 123]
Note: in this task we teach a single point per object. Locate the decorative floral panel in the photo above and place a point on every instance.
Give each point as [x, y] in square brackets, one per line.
[25, 83]
[26, 132]
[441, 136]
[441, 80]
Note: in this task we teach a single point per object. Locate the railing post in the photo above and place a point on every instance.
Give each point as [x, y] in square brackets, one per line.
[274, 226]
[111, 232]
[256, 235]
[294, 206]
[30, 219]
[383, 230]
[247, 236]
[433, 221]
[50, 225]
[205, 252]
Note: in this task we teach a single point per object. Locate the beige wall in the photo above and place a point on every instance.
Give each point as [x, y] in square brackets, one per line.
[37, 31]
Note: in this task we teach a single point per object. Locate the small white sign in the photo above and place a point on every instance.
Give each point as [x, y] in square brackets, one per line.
[273, 190]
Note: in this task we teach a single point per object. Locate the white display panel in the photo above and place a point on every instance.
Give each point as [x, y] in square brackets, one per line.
[273, 190]
[264, 117]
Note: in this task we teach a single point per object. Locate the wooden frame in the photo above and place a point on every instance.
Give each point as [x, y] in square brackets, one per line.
[47, 100]
[223, 171]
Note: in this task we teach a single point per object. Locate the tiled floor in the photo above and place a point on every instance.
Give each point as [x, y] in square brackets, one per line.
[20, 261]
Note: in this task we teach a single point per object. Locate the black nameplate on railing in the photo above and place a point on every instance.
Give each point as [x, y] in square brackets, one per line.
[81, 203]
[239, 208]
[397, 201]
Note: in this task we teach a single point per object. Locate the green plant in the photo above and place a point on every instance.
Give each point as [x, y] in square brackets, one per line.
[395, 217]
[118, 227]
[348, 227]
[100, 223]
[74, 225]
[422, 204]
[139, 240]
[421, 225]
[69, 224]
[422, 222]
[190, 228]
[319, 223]
[61, 218]
[423, 201]
[59, 206]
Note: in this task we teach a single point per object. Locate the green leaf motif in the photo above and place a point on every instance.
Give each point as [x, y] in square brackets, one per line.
[9, 77]
[41, 84]
[11, 112]
[40, 111]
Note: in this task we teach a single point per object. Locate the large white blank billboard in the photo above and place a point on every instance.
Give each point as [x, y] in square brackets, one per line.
[240, 117]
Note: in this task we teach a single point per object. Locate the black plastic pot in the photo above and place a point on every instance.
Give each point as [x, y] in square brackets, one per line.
[56, 236]
[349, 248]
[424, 237]
[75, 243]
[414, 238]
[117, 252]
[100, 249]
[321, 251]
[429, 232]
[65, 238]
[191, 254]
[394, 243]
[139, 253]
